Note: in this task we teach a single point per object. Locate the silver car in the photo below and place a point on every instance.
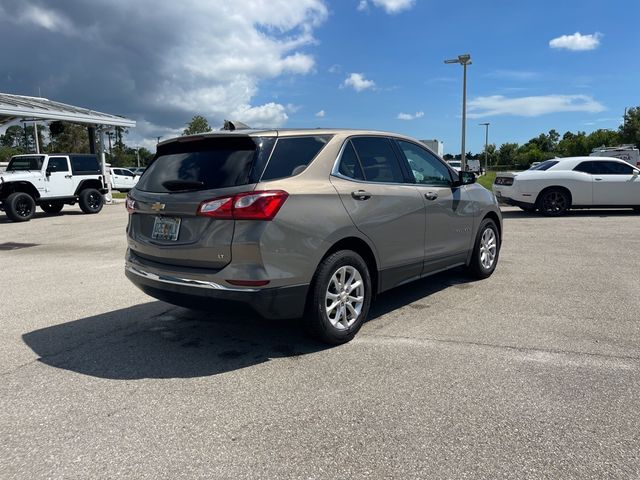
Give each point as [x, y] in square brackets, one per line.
[307, 224]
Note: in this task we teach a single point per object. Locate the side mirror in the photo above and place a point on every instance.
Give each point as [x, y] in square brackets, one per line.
[466, 178]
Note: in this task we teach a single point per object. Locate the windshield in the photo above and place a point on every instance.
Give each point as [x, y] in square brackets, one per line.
[25, 163]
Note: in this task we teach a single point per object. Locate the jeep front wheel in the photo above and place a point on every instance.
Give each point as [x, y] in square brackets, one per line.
[91, 200]
[52, 207]
[20, 207]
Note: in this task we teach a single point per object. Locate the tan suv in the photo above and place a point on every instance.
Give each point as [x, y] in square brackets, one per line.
[303, 223]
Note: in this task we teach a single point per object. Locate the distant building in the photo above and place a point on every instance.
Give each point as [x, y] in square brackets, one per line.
[435, 145]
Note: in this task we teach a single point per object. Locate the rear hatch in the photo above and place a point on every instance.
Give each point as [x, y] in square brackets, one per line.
[164, 226]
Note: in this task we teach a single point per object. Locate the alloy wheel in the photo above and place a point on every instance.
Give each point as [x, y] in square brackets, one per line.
[344, 297]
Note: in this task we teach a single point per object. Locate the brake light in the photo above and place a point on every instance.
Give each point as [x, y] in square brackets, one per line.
[259, 205]
[130, 204]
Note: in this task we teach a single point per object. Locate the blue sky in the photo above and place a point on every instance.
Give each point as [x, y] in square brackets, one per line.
[567, 65]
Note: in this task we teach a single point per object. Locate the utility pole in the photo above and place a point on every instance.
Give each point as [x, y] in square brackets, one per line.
[463, 60]
[486, 145]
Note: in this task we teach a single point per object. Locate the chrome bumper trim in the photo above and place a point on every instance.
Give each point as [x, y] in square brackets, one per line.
[185, 282]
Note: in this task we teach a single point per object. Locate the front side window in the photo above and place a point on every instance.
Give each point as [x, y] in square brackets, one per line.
[425, 167]
[378, 160]
[58, 164]
[616, 168]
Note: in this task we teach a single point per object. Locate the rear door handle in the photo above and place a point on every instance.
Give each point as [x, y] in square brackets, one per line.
[67, 176]
[361, 195]
[431, 195]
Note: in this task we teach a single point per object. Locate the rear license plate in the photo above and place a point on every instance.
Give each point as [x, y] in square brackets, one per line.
[166, 228]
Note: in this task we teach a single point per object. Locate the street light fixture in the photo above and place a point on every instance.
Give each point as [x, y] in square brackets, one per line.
[463, 60]
[486, 144]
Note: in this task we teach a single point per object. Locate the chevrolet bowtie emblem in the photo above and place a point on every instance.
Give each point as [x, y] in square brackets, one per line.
[157, 206]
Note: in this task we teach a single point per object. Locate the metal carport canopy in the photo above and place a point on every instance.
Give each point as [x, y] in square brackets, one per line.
[17, 107]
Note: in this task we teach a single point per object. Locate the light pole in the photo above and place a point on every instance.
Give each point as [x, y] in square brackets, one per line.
[463, 60]
[486, 144]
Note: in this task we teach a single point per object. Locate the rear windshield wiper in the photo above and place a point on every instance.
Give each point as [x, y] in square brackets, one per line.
[182, 185]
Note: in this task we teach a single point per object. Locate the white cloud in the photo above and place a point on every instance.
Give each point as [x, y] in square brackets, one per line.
[577, 41]
[212, 65]
[532, 106]
[47, 19]
[513, 74]
[358, 82]
[409, 116]
[321, 114]
[335, 68]
[389, 6]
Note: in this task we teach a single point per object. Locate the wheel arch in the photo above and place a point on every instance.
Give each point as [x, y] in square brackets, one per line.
[362, 248]
[555, 187]
[91, 183]
[12, 187]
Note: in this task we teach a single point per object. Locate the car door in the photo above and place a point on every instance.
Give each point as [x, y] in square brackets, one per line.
[449, 211]
[371, 185]
[58, 178]
[615, 183]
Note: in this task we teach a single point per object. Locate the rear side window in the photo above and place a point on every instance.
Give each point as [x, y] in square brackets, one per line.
[586, 167]
[291, 155]
[204, 164]
[85, 165]
[545, 165]
[349, 163]
[378, 159]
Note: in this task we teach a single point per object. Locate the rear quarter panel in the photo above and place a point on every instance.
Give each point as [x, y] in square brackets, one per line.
[578, 183]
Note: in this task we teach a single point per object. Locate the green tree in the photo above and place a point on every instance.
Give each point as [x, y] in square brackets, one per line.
[629, 131]
[23, 138]
[602, 137]
[68, 137]
[198, 124]
[507, 154]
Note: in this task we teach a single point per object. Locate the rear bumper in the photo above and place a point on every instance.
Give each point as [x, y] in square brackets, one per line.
[515, 203]
[271, 303]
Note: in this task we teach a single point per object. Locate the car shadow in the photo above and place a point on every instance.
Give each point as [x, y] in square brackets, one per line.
[37, 215]
[157, 340]
[601, 213]
[410, 293]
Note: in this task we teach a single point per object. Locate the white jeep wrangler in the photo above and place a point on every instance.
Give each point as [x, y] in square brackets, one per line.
[51, 181]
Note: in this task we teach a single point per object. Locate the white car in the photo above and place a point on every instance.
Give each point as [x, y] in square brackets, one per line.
[123, 179]
[455, 164]
[555, 186]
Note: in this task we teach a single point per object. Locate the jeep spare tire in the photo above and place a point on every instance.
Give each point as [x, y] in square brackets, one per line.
[91, 200]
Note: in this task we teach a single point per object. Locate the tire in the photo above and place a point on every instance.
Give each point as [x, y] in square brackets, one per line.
[553, 202]
[527, 209]
[20, 207]
[338, 325]
[52, 207]
[486, 250]
[91, 200]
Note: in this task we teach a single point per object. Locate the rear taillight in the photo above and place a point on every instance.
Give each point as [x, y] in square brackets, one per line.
[130, 205]
[504, 181]
[259, 205]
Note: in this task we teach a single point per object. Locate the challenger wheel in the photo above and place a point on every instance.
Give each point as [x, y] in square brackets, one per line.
[553, 202]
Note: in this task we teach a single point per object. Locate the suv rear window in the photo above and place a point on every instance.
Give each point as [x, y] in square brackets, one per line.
[291, 155]
[206, 163]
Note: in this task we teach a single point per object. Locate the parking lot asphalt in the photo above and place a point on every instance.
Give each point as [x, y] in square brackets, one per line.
[532, 373]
